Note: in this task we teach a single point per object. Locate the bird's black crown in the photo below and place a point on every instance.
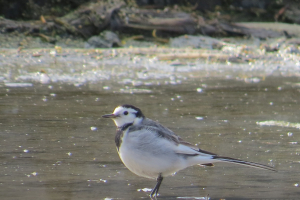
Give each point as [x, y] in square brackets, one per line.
[138, 113]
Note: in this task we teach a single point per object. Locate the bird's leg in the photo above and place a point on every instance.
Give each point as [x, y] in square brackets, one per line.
[156, 188]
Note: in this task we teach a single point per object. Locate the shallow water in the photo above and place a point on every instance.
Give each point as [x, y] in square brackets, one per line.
[55, 145]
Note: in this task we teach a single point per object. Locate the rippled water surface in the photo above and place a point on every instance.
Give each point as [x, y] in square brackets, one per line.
[55, 145]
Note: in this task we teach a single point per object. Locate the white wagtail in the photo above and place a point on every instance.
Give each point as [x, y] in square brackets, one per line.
[151, 150]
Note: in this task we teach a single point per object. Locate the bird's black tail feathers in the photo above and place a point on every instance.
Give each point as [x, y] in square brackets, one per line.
[242, 162]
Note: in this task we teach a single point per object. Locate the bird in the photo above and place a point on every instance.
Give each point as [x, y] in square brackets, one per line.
[43, 77]
[151, 150]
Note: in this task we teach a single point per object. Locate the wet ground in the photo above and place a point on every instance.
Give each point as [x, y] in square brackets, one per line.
[55, 145]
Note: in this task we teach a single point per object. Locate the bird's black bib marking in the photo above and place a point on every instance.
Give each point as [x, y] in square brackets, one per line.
[119, 134]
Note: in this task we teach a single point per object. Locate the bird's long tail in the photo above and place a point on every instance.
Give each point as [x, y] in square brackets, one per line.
[242, 162]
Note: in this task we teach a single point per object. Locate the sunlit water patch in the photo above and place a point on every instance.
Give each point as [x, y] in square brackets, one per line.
[279, 123]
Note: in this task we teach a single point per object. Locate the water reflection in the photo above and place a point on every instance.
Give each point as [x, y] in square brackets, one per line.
[54, 145]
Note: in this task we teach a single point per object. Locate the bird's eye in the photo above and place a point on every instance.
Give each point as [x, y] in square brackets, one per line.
[125, 113]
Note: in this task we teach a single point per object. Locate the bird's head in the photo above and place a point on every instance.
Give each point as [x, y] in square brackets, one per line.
[126, 114]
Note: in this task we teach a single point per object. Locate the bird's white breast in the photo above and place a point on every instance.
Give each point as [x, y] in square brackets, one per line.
[148, 155]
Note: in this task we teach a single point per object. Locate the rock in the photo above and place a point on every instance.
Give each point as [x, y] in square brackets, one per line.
[202, 42]
[106, 39]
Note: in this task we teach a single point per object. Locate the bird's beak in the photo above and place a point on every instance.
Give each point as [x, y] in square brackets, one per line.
[110, 116]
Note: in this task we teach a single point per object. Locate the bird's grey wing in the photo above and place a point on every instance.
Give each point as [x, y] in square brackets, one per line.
[170, 135]
[195, 148]
[189, 150]
[179, 146]
[183, 147]
[149, 122]
[158, 132]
